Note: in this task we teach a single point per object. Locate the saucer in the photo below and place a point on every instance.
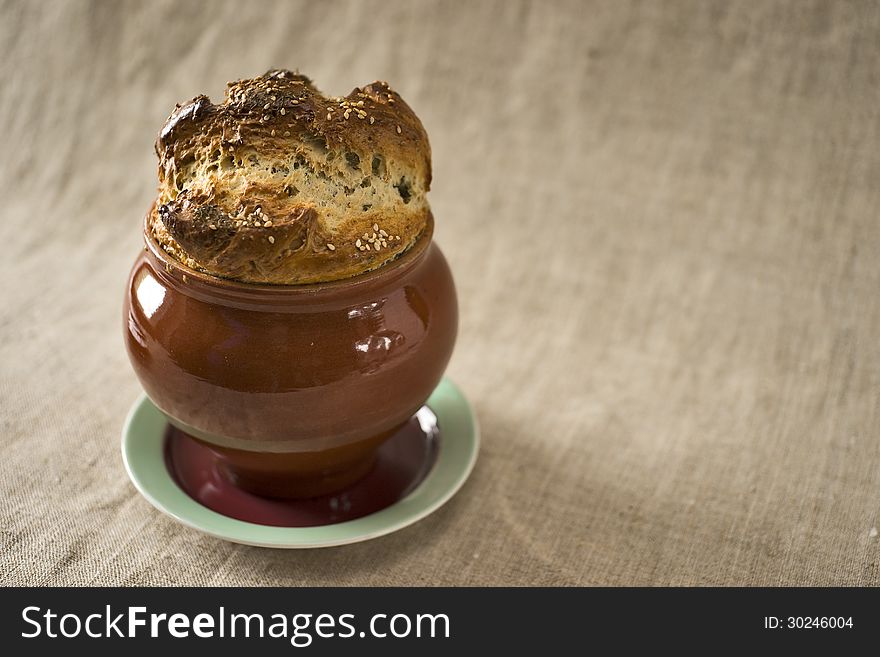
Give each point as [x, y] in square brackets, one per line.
[417, 470]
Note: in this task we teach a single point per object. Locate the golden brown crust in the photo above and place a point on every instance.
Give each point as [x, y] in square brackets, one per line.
[280, 184]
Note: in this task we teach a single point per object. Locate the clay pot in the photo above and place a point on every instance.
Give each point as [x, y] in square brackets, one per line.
[294, 386]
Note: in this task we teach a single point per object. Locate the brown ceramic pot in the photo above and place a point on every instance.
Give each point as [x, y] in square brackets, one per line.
[295, 386]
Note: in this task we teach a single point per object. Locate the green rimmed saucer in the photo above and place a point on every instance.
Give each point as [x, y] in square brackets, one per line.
[144, 455]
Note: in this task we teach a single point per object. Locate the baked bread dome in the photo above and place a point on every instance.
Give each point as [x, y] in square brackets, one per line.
[281, 184]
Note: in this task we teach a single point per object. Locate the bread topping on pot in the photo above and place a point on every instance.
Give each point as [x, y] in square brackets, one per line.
[281, 184]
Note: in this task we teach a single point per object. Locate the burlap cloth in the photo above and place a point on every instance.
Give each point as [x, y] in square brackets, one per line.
[664, 224]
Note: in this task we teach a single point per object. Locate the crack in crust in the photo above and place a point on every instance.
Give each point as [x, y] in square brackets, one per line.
[281, 184]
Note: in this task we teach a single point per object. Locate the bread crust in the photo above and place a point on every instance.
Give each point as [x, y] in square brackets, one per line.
[281, 184]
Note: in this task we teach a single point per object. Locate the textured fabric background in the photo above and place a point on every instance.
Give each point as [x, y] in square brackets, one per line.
[663, 222]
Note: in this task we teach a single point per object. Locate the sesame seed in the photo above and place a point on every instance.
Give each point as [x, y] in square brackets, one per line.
[212, 226]
[295, 101]
[376, 245]
[398, 130]
[283, 111]
[383, 233]
[372, 120]
[267, 223]
[271, 240]
[384, 243]
[358, 243]
[329, 116]
[266, 117]
[273, 98]
[346, 114]
[272, 133]
[375, 227]
[266, 106]
[331, 247]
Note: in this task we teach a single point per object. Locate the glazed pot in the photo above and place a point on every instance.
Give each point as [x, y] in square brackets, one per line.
[294, 386]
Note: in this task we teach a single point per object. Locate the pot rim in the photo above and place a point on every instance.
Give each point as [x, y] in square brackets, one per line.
[214, 288]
